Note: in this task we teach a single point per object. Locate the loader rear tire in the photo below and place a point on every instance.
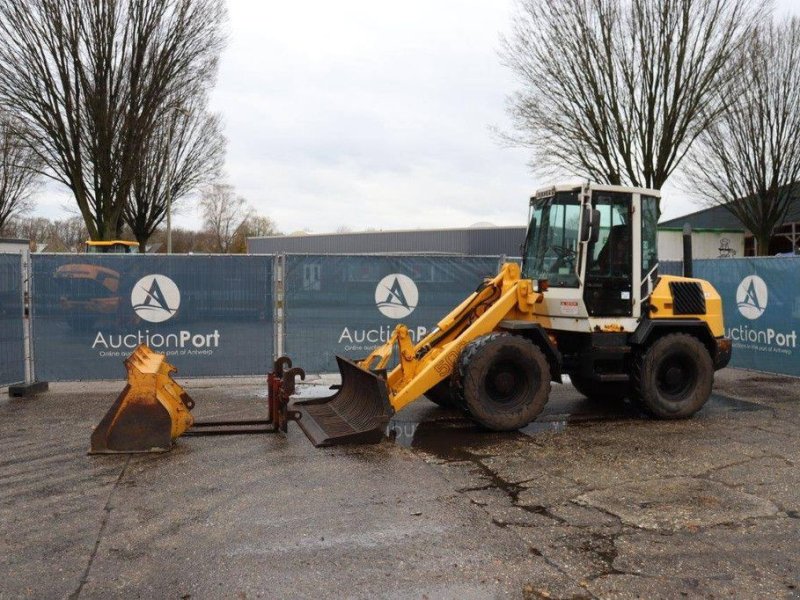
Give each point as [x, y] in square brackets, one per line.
[505, 381]
[601, 391]
[674, 376]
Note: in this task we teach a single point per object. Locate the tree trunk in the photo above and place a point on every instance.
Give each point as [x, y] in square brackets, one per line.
[762, 243]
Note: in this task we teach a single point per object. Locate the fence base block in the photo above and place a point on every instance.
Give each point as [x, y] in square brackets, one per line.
[28, 389]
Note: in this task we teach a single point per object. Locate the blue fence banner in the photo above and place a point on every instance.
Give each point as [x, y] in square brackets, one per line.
[211, 315]
[761, 300]
[349, 305]
[670, 267]
[12, 343]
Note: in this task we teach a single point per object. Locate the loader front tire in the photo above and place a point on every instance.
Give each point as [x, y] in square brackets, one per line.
[673, 378]
[442, 394]
[505, 381]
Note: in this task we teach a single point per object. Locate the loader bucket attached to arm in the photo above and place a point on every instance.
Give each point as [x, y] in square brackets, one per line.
[150, 412]
[357, 413]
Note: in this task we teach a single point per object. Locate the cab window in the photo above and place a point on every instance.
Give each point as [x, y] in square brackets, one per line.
[610, 255]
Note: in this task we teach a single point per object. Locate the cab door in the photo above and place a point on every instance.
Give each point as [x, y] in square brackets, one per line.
[608, 282]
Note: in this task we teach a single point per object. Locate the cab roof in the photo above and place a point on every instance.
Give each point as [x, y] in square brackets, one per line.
[549, 191]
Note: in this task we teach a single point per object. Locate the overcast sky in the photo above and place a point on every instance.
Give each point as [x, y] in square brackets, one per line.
[369, 115]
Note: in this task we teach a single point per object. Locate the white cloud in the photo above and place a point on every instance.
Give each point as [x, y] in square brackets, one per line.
[371, 115]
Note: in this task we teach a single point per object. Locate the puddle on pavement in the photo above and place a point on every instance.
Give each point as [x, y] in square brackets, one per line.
[450, 440]
[721, 403]
[306, 390]
[457, 437]
[537, 427]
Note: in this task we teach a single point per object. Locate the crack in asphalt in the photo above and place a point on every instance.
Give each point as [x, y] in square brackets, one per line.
[103, 523]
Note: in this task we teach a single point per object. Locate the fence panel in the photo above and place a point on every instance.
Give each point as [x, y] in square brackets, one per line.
[349, 305]
[211, 315]
[761, 300]
[12, 344]
[670, 267]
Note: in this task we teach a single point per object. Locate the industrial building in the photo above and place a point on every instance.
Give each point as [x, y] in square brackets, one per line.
[13, 246]
[469, 241]
[716, 233]
[717, 228]
[483, 241]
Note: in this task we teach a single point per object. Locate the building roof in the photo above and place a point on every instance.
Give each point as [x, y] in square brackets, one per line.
[469, 241]
[719, 218]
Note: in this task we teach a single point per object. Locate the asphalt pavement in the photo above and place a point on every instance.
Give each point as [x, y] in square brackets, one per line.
[590, 501]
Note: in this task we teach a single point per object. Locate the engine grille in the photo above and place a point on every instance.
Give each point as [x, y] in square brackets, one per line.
[687, 298]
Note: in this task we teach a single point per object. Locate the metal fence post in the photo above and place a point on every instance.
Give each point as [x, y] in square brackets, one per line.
[279, 304]
[31, 385]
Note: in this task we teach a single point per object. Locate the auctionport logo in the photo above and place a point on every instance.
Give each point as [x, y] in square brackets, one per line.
[396, 296]
[155, 298]
[752, 296]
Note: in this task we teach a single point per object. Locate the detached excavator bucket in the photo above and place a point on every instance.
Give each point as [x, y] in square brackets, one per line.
[357, 413]
[150, 412]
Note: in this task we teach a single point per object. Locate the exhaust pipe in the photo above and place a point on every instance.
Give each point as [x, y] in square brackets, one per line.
[687, 250]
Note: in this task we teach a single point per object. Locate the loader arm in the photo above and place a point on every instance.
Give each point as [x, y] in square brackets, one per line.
[432, 359]
[360, 411]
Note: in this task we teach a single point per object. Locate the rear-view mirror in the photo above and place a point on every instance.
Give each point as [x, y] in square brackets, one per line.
[590, 225]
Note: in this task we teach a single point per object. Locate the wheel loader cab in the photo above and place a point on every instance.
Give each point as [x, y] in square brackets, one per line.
[582, 242]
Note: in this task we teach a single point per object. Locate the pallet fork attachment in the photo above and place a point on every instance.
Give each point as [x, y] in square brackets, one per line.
[153, 410]
[280, 387]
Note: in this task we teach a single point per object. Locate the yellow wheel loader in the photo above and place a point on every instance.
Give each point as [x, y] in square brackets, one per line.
[587, 302]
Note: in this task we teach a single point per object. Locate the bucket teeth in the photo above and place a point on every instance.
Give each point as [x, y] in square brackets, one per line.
[357, 413]
[149, 414]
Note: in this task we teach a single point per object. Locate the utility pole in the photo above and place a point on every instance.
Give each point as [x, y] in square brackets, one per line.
[177, 110]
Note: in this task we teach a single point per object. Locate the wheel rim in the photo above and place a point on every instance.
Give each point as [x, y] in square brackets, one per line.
[507, 381]
[676, 377]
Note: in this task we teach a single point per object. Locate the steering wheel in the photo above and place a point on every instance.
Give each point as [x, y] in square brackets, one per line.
[564, 256]
[563, 252]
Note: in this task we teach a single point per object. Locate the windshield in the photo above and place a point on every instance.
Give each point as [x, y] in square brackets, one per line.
[551, 246]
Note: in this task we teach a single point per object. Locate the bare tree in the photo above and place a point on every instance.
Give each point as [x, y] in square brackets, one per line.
[260, 226]
[90, 78]
[224, 214]
[72, 232]
[19, 170]
[749, 160]
[617, 90]
[65, 235]
[185, 151]
[254, 225]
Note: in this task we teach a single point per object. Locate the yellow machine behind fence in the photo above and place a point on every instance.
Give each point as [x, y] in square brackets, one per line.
[149, 414]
